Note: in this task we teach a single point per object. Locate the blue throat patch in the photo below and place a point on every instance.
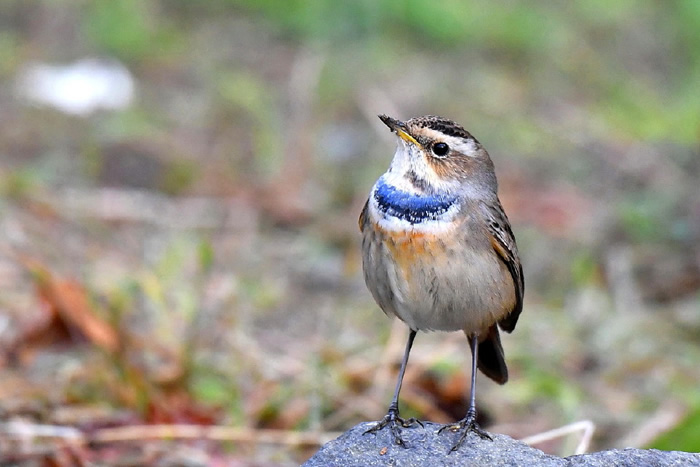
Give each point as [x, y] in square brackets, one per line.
[409, 207]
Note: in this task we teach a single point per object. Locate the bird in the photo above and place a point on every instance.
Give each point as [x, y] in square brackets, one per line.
[438, 252]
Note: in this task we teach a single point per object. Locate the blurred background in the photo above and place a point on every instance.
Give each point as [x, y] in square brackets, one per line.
[179, 190]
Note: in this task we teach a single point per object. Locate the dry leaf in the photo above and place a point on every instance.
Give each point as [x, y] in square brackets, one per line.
[68, 308]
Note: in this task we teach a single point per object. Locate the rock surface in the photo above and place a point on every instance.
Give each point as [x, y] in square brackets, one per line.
[424, 447]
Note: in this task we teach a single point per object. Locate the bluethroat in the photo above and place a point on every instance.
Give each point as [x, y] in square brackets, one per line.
[438, 251]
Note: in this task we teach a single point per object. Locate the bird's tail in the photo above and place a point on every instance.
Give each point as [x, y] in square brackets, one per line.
[491, 360]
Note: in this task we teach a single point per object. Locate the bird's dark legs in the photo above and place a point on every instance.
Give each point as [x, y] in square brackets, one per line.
[392, 417]
[468, 423]
[395, 401]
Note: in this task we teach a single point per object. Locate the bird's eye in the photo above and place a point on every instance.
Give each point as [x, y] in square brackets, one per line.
[440, 149]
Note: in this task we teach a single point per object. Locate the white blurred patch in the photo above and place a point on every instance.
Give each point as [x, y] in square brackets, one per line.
[79, 88]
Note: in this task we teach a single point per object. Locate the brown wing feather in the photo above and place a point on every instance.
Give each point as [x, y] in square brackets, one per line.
[362, 221]
[503, 242]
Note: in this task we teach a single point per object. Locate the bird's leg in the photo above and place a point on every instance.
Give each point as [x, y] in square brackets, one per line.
[392, 417]
[468, 423]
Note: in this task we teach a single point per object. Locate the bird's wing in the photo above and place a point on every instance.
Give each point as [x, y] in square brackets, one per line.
[362, 221]
[503, 242]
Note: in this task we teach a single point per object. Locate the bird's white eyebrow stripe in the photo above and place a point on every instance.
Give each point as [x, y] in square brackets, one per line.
[463, 146]
[466, 146]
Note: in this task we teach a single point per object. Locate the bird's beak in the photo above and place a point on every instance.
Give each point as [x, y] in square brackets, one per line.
[399, 128]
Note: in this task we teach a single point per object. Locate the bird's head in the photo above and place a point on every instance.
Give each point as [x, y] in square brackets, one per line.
[436, 154]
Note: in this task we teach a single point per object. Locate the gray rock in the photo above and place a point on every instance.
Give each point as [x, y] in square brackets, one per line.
[424, 447]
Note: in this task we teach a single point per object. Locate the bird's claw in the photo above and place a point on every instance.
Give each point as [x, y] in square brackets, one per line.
[466, 425]
[396, 423]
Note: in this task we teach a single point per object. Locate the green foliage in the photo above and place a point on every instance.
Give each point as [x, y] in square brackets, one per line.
[129, 29]
[18, 184]
[213, 389]
[637, 112]
[639, 221]
[262, 295]
[445, 367]
[206, 255]
[250, 101]
[538, 384]
[9, 52]
[647, 217]
[120, 27]
[584, 268]
[178, 176]
[683, 437]
[450, 23]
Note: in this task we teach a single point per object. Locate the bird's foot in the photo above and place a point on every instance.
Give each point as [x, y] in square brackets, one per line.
[395, 423]
[466, 425]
